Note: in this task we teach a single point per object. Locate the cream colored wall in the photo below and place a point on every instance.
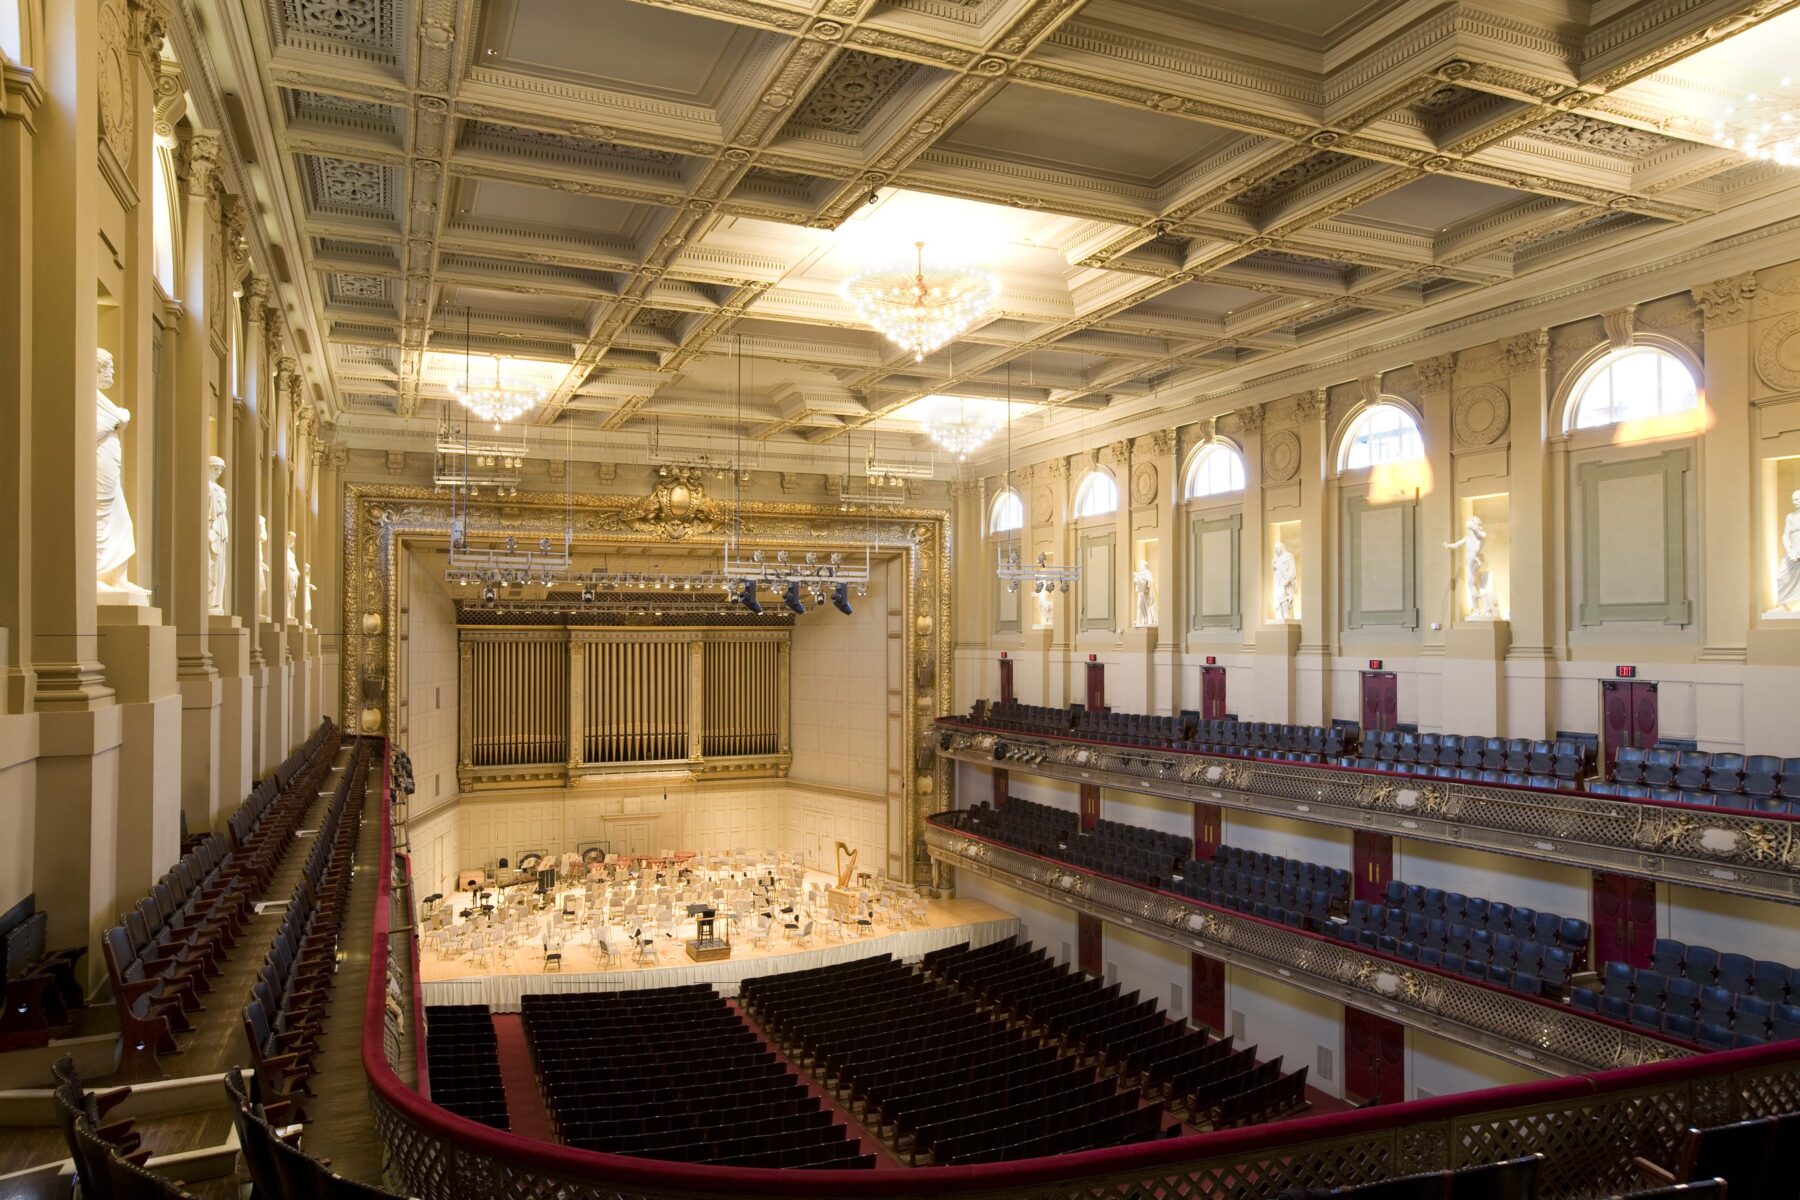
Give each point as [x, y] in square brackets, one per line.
[1438, 1067]
[841, 677]
[1153, 969]
[1547, 887]
[1492, 413]
[426, 719]
[1042, 922]
[1285, 1022]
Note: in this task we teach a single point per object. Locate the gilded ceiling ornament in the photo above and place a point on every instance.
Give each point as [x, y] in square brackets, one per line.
[676, 507]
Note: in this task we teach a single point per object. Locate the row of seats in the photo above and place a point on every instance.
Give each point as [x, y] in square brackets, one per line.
[279, 1168]
[1146, 856]
[1742, 801]
[1455, 947]
[1763, 775]
[282, 1022]
[41, 992]
[1712, 1015]
[110, 1159]
[673, 1073]
[162, 953]
[956, 1082]
[1093, 1019]
[463, 1057]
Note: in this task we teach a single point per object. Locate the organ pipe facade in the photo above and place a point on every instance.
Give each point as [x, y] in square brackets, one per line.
[539, 701]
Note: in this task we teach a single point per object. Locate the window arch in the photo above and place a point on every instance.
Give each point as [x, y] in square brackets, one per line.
[1382, 434]
[1007, 513]
[1098, 495]
[1637, 383]
[1215, 470]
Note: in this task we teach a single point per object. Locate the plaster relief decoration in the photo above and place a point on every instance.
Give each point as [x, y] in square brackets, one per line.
[1481, 415]
[1143, 484]
[1143, 594]
[340, 185]
[1285, 574]
[1478, 581]
[218, 535]
[851, 92]
[1576, 130]
[1778, 353]
[115, 539]
[676, 507]
[1281, 455]
[1043, 506]
[1787, 571]
[363, 22]
[116, 120]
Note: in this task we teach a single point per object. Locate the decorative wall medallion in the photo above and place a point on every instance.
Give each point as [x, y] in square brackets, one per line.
[1778, 353]
[114, 83]
[1481, 415]
[675, 508]
[1281, 455]
[1143, 484]
[1041, 506]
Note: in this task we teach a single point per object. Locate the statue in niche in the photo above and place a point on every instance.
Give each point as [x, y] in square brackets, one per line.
[218, 535]
[1046, 608]
[1478, 581]
[1143, 594]
[115, 540]
[293, 579]
[1787, 574]
[262, 565]
[309, 590]
[1287, 584]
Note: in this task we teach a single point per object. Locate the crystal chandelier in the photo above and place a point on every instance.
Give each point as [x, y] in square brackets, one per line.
[920, 310]
[1763, 125]
[959, 433]
[497, 403]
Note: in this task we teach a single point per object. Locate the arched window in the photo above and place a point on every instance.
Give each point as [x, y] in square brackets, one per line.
[1007, 513]
[1634, 384]
[1098, 496]
[1382, 434]
[1217, 469]
[12, 31]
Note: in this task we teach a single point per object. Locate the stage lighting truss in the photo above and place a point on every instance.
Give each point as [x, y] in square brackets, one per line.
[1040, 575]
[502, 563]
[792, 577]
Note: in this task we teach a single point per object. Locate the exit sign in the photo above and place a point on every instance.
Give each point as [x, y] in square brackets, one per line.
[1212, 660]
[1374, 664]
[1093, 658]
[1625, 672]
[1003, 655]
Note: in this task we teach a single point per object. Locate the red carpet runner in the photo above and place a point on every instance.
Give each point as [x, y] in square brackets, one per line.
[524, 1102]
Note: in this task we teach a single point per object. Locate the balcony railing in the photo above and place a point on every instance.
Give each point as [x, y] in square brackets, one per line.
[1746, 853]
[1590, 1127]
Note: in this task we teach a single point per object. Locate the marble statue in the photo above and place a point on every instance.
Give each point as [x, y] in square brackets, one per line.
[1478, 581]
[1287, 584]
[293, 579]
[1143, 592]
[218, 535]
[309, 590]
[115, 540]
[1046, 609]
[1787, 574]
[262, 565]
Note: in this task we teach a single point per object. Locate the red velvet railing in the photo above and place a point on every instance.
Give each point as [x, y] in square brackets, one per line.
[1071, 736]
[445, 1157]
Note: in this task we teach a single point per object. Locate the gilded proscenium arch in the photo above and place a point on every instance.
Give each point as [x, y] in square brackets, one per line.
[1545, 1038]
[1715, 849]
[375, 515]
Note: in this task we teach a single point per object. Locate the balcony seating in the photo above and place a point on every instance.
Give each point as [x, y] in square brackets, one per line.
[277, 1165]
[109, 1163]
[41, 990]
[1531, 952]
[1695, 992]
[1145, 856]
[673, 1073]
[281, 1021]
[1754, 1158]
[954, 1082]
[1513, 1179]
[464, 1058]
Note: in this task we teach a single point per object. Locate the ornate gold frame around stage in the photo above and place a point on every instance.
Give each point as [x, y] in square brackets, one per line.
[677, 510]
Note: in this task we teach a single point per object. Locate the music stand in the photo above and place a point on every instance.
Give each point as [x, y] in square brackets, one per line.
[705, 947]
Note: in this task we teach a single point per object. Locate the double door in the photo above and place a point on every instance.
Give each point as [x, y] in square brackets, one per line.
[1628, 717]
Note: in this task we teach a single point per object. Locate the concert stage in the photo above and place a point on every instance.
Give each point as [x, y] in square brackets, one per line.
[457, 981]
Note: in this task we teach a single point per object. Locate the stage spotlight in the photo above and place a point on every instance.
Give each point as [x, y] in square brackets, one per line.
[748, 597]
[840, 598]
[489, 595]
[587, 594]
[791, 599]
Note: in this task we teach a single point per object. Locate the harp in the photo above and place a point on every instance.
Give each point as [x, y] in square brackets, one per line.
[846, 865]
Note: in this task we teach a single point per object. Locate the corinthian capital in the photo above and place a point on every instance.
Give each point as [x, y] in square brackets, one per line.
[200, 162]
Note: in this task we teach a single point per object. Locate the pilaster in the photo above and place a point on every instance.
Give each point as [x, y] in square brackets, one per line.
[20, 96]
[1727, 502]
[1534, 466]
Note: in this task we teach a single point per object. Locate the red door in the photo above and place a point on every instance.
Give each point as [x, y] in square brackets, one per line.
[1212, 693]
[1628, 716]
[1090, 944]
[1206, 981]
[1006, 683]
[1096, 686]
[1209, 822]
[1002, 785]
[1374, 1058]
[1380, 700]
[1372, 861]
[1090, 805]
[1624, 919]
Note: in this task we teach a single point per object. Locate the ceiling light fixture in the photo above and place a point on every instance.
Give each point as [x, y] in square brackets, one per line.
[920, 310]
[499, 402]
[961, 433]
[1763, 125]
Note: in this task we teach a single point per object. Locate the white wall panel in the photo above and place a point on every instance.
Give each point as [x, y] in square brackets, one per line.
[1437, 1067]
[1286, 1023]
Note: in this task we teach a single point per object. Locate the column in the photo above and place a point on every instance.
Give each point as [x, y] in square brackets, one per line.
[21, 94]
[272, 631]
[1532, 516]
[247, 506]
[328, 573]
[196, 391]
[77, 773]
[1729, 587]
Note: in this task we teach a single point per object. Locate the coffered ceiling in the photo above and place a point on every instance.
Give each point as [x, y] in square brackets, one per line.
[659, 198]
